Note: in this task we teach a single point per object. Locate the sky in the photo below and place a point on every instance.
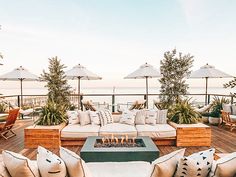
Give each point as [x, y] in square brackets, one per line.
[112, 38]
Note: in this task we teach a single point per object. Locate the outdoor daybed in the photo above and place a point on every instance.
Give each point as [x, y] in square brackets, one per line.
[69, 163]
[133, 123]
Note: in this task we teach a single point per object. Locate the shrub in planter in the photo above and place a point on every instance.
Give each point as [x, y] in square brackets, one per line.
[182, 112]
[205, 117]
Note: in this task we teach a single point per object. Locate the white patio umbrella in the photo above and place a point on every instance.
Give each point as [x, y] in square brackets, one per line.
[144, 72]
[208, 71]
[20, 74]
[81, 73]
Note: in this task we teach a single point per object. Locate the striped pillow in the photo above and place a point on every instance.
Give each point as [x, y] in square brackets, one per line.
[105, 117]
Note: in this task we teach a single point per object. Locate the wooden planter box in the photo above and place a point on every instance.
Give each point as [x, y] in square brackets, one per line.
[192, 134]
[46, 136]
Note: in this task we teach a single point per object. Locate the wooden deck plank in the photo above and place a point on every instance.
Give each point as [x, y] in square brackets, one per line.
[223, 140]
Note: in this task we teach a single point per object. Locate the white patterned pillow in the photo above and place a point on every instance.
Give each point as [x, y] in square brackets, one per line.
[196, 165]
[105, 117]
[151, 117]
[94, 117]
[73, 117]
[165, 166]
[162, 116]
[84, 118]
[76, 167]
[140, 117]
[225, 166]
[50, 165]
[19, 166]
[128, 117]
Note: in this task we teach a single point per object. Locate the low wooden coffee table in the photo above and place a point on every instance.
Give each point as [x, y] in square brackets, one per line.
[148, 153]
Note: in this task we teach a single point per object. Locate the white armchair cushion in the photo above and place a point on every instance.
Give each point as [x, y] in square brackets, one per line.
[165, 166]
[76, 167]
[19, 166]
[224, 167]
[84, 118]
[196, 165]
[128, 117]
[73, 117]
[50, 165]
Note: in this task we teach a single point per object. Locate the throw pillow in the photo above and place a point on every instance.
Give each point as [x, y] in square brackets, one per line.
[76, 167]
[140, 117]
[128, 117]
[18, 165]
[166, 165]
[162, 116]
[73, 117]
[94, 117]
[84, 118]
[196, 165]
[151, 117]
[225, 166]
[50, 165]
[105, 117]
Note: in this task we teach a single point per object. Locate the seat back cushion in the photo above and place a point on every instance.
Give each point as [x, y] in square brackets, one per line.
[73, 117]
[76, 167]
[105, 117]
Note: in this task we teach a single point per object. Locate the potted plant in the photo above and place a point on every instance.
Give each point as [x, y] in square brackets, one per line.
[205, 117]
[182, 112]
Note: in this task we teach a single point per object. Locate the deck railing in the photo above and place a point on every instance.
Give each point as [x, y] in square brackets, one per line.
[112, 101]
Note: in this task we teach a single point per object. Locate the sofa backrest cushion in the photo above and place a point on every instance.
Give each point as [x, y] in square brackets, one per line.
[18, 165]
[73, 117]
[140, 117]
[94, 117]
[128, 117]
[50, 164]
[166, 165]
[76, 167]
[151, 116]
[105, 117]
[84, 118]
[225, 166]
[162, 116]
[197, 164]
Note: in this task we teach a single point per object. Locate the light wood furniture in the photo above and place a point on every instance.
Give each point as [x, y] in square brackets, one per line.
[192, 134]
[47, 136]
[226, 120]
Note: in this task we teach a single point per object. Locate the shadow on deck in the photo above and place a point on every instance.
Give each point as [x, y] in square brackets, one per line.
[223, 141]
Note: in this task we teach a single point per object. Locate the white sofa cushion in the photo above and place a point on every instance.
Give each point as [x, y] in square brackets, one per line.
[116, 118]
[128, 117]
[165, 166]
[105, 117]
[162, 116]
[50, 165]
[140, 117]
[94, 117]
[78, 131]
[151, 116]
[225, 166]
[156, 131]
[196, 165]
[73, 117]
[120, 169]
[18, 165]
[118, 129]
[76, 167]
[84, 118]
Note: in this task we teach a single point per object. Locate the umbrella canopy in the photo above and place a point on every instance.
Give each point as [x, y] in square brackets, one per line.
[20, 74]
[81, 73]
[144, 72]
[208, 71]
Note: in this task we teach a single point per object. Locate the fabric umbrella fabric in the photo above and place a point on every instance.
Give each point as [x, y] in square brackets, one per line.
[208, 71]
[20, 74]
[144, 72]
[81, 73]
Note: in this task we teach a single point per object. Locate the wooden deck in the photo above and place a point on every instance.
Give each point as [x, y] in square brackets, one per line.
[223, 141]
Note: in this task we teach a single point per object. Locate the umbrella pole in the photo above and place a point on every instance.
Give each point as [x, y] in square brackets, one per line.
[206, 91]
[146, 91]
[79, 93]
[21, 93]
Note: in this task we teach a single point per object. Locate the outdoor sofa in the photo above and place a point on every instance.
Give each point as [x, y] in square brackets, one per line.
[69, 163]
[152, 123]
